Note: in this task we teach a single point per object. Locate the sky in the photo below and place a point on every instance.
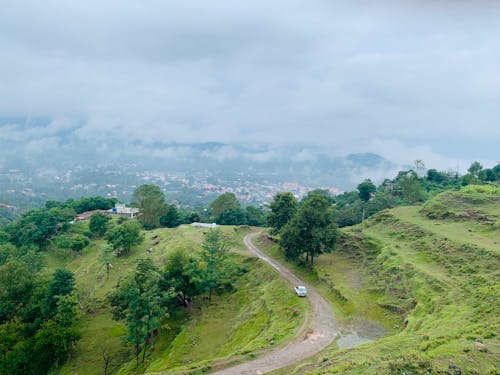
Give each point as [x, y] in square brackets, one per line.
[405, 79]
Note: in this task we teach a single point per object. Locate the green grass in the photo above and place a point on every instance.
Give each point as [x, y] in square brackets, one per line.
[439, 273]
[261, 312]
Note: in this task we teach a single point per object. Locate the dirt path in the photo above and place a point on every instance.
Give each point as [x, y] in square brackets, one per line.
[319, 330]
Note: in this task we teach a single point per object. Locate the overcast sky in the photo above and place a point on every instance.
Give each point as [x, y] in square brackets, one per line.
[406, 79]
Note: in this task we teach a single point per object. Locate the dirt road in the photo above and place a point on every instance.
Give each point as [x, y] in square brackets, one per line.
[319, 330]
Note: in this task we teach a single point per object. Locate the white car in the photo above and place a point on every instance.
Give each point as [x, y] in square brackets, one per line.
[301, 290]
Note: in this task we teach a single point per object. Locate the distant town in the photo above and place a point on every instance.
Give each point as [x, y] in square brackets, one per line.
[28, 188]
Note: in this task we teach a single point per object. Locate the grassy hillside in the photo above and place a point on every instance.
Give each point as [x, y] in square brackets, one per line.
[430, 276]
[260, 313]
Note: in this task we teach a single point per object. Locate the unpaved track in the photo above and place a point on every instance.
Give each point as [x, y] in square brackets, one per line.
[319, 331]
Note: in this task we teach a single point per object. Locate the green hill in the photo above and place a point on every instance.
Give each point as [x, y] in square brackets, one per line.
[430, 276]
[260, 313]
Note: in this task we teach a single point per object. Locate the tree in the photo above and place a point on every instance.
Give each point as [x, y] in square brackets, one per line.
[171, 218]
[62, 284]
[35, 227]
[311, 231]
[213, 268]
[411, 187]
[176, 276]
[255, 217]
[223, 203]
[474, 169]
[78, 243]
[232, 216]
[141, 302]
[98, 224]
[151, 202]
[123, 237]
[283, 208]
[366, 190]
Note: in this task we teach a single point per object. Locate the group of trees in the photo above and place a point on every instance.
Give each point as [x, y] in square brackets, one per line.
[408, 187]
[307, 229]
[155, 212]
[227, 210]
[37, 317]
[143, 299]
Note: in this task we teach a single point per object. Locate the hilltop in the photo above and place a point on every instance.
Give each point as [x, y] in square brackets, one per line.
[428, 274]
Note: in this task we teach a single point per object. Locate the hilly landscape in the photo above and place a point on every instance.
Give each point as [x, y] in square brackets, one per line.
[413, 290]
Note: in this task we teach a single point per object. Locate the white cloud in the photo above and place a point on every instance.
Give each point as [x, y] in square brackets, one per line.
[330, 73]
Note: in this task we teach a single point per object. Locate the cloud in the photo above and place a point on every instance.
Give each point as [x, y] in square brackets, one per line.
[335, 74]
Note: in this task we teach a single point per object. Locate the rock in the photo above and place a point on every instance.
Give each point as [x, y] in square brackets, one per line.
[481, 347]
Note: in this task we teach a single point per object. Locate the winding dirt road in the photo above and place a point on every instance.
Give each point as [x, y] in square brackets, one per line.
[319, 330]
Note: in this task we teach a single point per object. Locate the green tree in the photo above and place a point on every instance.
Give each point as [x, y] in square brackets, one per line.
[366, 189]
[474, 169]
[311, 231]
[151, 202]
[171, 218]
[176, 276]
[223, 203]
[79, 242]
[98, 224]
[141, 302]
[255, 217]
[283, 208]
[213, 268]
[62, 284]
[35, 227]
[124, 236]
[411, 187]
[232, 216]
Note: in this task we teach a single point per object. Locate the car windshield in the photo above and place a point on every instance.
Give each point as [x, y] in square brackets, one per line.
[301, 288]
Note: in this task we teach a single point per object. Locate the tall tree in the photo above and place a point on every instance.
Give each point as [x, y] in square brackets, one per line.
[366, 189]
[124, 236]
[151, 202]
[98, 224]
[176, 276]
[213, 268]
[283, 208]
[141, 302]
[171, 217]
[223, 203]
[474, 169]
[311, 231]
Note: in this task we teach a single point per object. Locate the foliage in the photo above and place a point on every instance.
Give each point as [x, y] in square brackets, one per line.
[98, 224]
[78, 243]
[311, 231]
[151, 202]
[36, 319]
[232, 216]
[176, 277]
[124, 236]
[84, 204]
[224, 202]
[171, 218]
[213, 268]
[141, 302]
[366, 189]
[255, 216]
[283, 208]
[34, 228]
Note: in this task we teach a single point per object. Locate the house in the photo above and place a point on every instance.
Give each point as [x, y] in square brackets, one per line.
[121, 209]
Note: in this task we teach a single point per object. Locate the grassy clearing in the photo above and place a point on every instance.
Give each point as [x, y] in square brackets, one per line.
[260, 313]
[440, 275]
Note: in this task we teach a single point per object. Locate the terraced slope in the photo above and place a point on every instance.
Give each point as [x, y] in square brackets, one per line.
[438, 267]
